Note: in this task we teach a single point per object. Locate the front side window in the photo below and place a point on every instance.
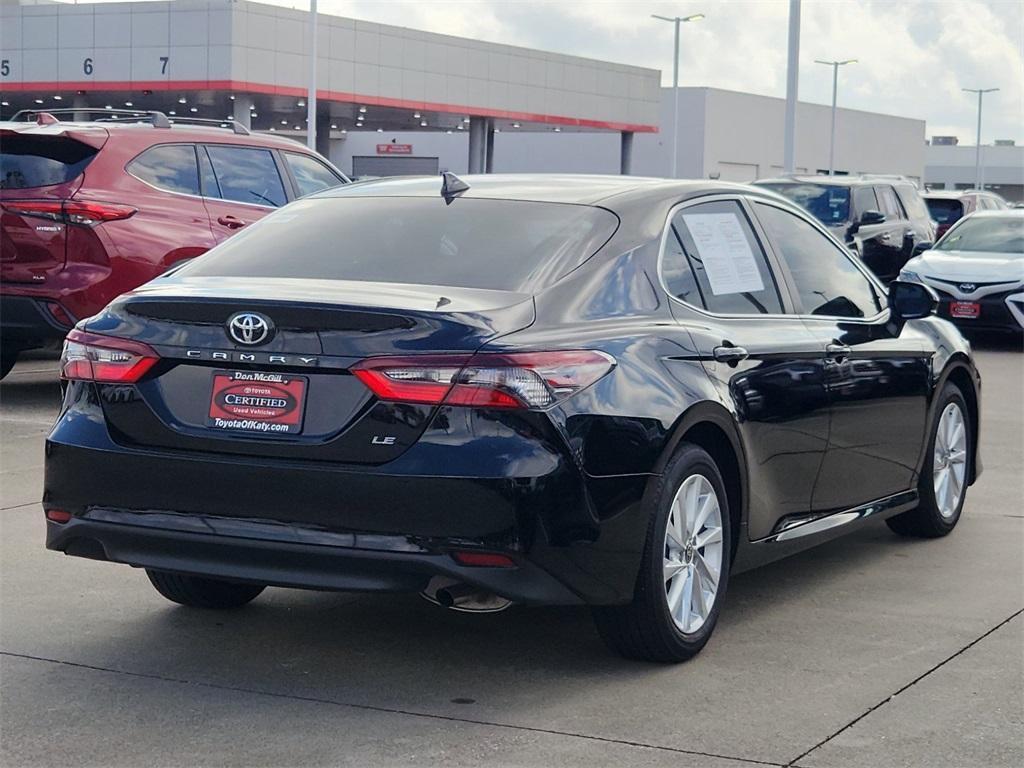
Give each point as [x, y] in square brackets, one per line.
[171, 167]
[712, 260]
[890, 206]
[911, 199]
[310, 174]
[827, 281]
[864, 200]
[247, 175]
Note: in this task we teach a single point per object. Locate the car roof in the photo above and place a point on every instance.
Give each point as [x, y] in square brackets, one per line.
[952, 194]
[849, 180]
[147, 134]
[581, 189]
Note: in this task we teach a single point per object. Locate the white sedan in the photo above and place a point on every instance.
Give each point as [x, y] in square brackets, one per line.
[977, 268]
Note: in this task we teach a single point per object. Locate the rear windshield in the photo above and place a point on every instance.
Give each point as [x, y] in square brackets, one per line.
[828, 204]
[472, 243]
[945, 211]
[986, 234]
[41, 161]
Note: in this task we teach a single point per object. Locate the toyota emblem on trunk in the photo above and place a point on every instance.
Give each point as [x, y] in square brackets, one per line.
[249, 328]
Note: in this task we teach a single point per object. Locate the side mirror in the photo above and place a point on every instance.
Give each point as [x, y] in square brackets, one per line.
[872, 217]
[910, 301]
[921, 247]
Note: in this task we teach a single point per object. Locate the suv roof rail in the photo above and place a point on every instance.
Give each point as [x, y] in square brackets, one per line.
[155, 117]
[48, 116]
[229, 122]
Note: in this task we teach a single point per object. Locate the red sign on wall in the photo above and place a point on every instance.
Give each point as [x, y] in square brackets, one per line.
[394, 149]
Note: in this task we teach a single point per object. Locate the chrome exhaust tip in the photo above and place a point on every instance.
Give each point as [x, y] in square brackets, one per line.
[457, 596]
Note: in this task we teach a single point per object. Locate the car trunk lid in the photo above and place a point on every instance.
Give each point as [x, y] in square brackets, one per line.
[305, 362]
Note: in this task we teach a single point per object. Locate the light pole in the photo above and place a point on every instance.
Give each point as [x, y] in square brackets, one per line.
[835, 85]
[792, 81]
[977, 150]
[311, 96]
[676, 20]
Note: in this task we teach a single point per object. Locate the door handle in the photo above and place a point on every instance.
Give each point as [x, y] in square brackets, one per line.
[729, 354]
[230, 222]
[837, 351]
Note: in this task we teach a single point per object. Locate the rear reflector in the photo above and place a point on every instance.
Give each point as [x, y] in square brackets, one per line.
[57, 515]
[59, 314]
[485, 380]
[84, 212]
[105, 359]
[475, 559]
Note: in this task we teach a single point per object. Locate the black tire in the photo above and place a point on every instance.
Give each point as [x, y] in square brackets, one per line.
[644, 629]
[927, 521]
[198, 592]
[7, 361]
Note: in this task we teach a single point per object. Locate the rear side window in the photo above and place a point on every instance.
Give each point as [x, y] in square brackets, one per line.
[826, 278]
[247, 175]
[712, 260]
[41, 161]
[171, 167]
[310, 174]
[945, 211]
[506, 245]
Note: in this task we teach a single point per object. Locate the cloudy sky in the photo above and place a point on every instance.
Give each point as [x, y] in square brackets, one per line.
[914, 55]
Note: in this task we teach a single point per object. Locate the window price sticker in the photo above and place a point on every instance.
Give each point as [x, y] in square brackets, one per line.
[725, 252]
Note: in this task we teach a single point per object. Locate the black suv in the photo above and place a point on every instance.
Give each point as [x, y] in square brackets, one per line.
[882, 218]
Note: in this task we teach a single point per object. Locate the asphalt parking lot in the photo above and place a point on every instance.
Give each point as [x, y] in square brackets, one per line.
[869, 651]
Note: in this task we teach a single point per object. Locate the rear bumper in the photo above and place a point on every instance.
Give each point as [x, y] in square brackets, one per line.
[321, 525]
[252, 554]
[25, 323]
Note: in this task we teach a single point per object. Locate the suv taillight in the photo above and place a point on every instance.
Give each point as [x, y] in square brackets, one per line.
[485, 380]
[84, 212]
[104, 359]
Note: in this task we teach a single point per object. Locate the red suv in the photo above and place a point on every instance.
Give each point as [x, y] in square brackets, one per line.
[93, 209]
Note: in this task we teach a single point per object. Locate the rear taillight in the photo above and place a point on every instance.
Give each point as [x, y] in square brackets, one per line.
[89, 213]
[83, 212]
[486, 380]
[92, 357]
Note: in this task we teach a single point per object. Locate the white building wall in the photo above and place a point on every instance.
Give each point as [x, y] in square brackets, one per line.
[952, 167]
[743, 138]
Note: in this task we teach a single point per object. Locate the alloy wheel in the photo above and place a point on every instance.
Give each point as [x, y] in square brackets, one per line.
[949, 462]
[693, 553]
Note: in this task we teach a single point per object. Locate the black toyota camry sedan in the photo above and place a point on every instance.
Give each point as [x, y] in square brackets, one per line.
[608, 391]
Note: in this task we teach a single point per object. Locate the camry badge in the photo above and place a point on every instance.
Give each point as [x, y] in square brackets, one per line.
[249, 328]
[968, 287]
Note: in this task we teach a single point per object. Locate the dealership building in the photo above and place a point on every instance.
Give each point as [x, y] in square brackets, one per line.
[952, 166]
[394, 101]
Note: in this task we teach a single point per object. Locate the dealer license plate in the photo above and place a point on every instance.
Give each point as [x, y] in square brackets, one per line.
[257, 403]
[965, 310]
